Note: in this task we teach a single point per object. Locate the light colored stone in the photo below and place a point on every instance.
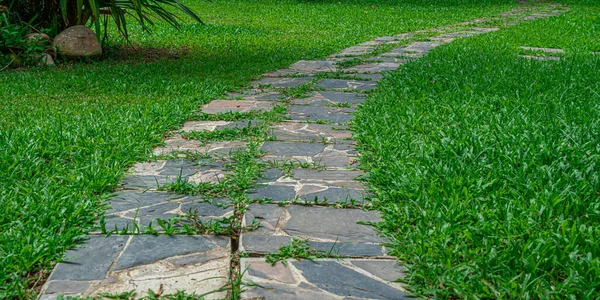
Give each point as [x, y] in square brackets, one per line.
[78, 42]
[39, 38]
[242, 106]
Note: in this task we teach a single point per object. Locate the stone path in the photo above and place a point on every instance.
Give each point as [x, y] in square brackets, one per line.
[258, 169]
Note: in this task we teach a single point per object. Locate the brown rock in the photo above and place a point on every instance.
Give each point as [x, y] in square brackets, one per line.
[78, 42]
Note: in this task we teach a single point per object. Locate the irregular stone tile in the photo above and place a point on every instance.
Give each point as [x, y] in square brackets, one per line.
[314, 223]
[442, 39]
[372, 77]
[374, 67]
[319, 279]
[422, 47]
[384, 269]
[91, 261]
[263, 244]
[147, 249]
[343, 84]
[276, 193]
[323, 98]
[339, 155]
[271, 174]
[356, 51]
[335, 195]
[548, 50]
[387, 59]
[65, 286]
[259, 94]
[195, 264]
[202, 125]
[485, 29]
[331, 225]
[181, 146]
[313, 66]
[326, 175]
[336, 278]
[310, 132]
[283, 82]
[242, 106]
[126, 200]
[292, 148]
[320, 113]
[147, 182]
[402, 53]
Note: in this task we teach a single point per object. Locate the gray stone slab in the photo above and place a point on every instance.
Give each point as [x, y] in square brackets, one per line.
[275, 193]
[313, 66]
[335, 195]
[284, 82]
[319, 279]
[326, 175]
[374, 67]
[92, 261]
[147, 249]
[146, 182]
[319, 113]
[335, 278]
[263, 244]
[383, 269]
[292, 148]
[344, 84]
[128, 200]
[311, 132]
[62, 286]
[342, 97]
[422, 46]
[330, 224]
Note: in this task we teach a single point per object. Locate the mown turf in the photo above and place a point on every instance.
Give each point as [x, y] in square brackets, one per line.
[67, 134]
[486, 165]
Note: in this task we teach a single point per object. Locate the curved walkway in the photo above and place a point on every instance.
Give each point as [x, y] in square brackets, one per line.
[261, 197]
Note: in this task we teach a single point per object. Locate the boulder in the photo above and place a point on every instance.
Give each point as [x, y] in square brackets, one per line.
[78, 42]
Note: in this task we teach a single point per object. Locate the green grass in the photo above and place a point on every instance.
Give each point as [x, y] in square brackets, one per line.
[68, 134]
[485, 164]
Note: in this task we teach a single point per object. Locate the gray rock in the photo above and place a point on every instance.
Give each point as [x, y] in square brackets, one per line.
[78, 42]
[337, 279]
[276, 193]
[344, 84]
[67, 286]
[147, 249]
[92, 261]
[318, 113]
[292, 148]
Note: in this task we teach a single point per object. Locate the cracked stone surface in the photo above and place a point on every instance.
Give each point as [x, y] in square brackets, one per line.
[345, 84]
[311, 132]
[324, 98]
[179, 146]
[151, 175]
[320, 113]
[284, 82]
[422, 47]
[356, 51]
[323, 279]
[313, 66]
[217, 125]
[119, 264]
[241, 106]
[376, 67]
[316, 224]
[128, 209]
[330, 156]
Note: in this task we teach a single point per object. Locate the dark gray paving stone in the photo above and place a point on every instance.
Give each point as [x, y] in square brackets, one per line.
[383, 269]
[92, 261]
[206, 209]
[145, 182]
[319, 113]
[345, 84]
[335, 195]
[117, 223]
[276, 193]
[340, 280]
[342, 97]
[327, 175]
[324, 223]
[147, 249]
[241, 124]
[67, 286]
[271, 174]
[292, 148]
[422, 46]
[284, 82]
[268, 215]
[123, 201]
[262, 244]
[312, 133]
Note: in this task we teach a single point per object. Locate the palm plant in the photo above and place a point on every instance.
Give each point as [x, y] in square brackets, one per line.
[80, 12]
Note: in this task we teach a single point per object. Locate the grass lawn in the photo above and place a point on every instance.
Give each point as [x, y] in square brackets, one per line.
[486, 164]
[68, 134]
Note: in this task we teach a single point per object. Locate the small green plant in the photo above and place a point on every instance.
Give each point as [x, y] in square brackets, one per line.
[16, 49]
[296, 249]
